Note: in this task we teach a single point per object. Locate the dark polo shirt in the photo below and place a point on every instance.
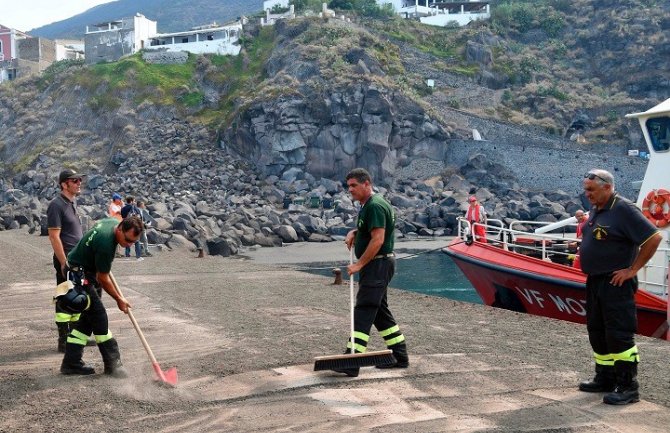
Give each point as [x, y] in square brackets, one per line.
[62, 214]
[612, 236]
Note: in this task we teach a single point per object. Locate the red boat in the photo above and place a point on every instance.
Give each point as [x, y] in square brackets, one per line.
[531, 272]
[518, 282]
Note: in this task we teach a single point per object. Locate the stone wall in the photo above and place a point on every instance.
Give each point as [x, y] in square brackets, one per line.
[165, 57]
[542, 168]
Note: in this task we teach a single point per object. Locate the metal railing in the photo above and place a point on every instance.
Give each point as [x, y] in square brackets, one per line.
[652, 278]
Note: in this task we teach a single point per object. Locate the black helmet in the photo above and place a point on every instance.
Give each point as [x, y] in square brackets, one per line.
[74, 301]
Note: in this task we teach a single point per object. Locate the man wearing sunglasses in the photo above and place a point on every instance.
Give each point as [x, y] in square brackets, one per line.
[617, 241]
[65, 230]
[91, 263]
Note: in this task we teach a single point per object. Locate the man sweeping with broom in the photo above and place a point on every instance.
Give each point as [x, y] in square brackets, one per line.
[373, 245]
[90, 263]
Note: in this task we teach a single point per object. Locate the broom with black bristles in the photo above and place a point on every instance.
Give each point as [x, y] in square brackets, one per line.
[353, 359]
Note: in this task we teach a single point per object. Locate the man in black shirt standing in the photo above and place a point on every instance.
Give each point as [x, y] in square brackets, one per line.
[617, 241]
[64, 232]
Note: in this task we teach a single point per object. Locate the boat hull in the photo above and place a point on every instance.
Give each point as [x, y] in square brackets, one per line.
[521, 283]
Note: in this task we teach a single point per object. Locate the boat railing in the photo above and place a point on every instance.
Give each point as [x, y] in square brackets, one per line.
[519, 239]
[652, 278]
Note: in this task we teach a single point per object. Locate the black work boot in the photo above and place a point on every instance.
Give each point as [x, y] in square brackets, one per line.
[603, 381]
[72, 362]
[63, 331]
[351, 372]
[400, 354]
[112, 359]
[626, 384]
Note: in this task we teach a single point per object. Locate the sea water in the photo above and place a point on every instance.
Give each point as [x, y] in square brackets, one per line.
[433, 273]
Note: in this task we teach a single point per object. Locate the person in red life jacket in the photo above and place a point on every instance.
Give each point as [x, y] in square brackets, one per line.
[581, 218]
[477, 214]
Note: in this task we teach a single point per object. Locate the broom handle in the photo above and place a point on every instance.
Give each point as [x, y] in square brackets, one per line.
[351, 298]
[135, 324]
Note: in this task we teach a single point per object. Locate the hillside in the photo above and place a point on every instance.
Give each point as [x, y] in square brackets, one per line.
[547, 68]
[172, 15]
[216, 142]
[565, 66]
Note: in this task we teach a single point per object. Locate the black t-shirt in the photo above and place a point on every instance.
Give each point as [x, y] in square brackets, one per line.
[612, 236]
[62, 214]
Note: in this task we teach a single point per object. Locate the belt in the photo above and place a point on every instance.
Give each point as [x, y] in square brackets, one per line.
[383, 256]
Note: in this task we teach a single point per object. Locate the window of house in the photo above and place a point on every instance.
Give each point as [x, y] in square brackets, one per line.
[184, 40]
[659, 133]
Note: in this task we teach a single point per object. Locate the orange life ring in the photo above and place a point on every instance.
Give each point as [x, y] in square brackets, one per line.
[653, 207]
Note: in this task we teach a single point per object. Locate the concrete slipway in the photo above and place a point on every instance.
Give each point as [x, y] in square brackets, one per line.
[243, 332]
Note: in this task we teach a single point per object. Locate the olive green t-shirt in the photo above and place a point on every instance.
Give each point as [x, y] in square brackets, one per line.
[375, 213]
[95, 251]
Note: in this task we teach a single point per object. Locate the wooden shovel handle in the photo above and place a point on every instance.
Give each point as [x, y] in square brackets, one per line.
[135, 324]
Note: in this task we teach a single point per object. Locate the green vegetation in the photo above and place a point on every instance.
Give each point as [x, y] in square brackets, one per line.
[56, 69]
[364, 8]
[239, 77]
[442, 42]
[181, 85]
[159, 84]
[26, 161]
[522, 16]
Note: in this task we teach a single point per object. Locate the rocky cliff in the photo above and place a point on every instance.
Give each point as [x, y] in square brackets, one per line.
[225, 150]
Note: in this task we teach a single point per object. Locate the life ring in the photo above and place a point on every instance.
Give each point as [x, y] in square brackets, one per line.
[653, 207]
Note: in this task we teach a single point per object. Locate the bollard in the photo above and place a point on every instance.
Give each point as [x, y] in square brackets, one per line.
[338, 276]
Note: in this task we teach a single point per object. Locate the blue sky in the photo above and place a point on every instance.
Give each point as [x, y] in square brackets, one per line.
[26, 15]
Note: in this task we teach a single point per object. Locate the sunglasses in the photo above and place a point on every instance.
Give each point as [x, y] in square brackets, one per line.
[75, 180]
[591, 176]
[129, 240]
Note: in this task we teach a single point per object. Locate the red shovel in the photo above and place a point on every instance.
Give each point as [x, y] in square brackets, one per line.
[168, 377]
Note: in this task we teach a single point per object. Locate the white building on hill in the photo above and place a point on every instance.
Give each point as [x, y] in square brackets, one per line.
[111, 40]
[212, 38]
[441, 13]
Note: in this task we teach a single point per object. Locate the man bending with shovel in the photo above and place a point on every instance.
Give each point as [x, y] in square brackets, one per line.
[90, 264]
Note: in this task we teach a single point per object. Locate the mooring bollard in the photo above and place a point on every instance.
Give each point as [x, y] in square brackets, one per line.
[338, 276]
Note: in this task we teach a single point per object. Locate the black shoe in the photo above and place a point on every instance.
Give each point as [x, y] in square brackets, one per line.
[596, 386]
[112, 358]
[397, 364]
[117, 371]
[80, 369]
[622, 396]
[351, 372]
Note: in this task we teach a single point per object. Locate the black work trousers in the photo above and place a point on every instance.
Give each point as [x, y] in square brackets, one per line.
[61, 315]
[611, 315]
[94, 319]
[371, 304]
